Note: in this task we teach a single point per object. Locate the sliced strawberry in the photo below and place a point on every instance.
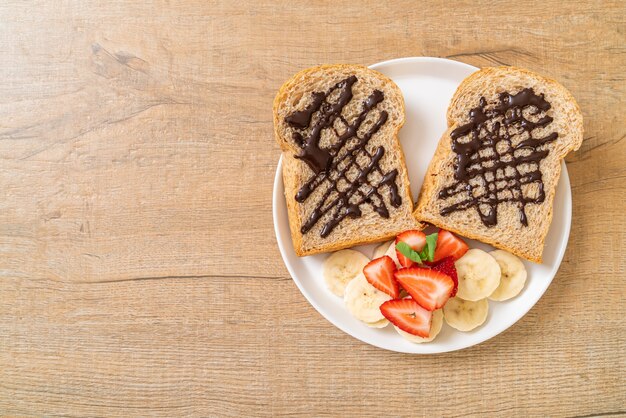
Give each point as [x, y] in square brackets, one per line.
[446, 266]
[379, 273]
[408, 315]
[430, 288]
[449, 245]
[415, 239]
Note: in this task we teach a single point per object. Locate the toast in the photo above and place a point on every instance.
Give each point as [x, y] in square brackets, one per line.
[495, 170]
[344, 173]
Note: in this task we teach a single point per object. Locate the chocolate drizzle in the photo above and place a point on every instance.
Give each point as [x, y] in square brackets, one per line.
[349, 183]
[489, 168]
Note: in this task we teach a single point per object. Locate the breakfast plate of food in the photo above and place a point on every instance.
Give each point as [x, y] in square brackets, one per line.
[422, 205]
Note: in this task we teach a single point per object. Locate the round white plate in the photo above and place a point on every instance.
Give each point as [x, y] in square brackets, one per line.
[427, 85]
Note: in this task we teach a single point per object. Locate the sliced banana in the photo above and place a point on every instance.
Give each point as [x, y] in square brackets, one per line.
[465, 315]
[513, 275]
[381, 249]
[378, 324]
[391, 252]
[341, 267]
[363, 300]
[479, 275]
[435, 327]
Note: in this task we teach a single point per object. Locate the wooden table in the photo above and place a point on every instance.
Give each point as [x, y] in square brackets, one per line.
[139, 272]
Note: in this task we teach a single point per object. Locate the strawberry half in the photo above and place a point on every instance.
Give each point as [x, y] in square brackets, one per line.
[379, 273]
[446, 266]
[415, 239]
[430, 288]
[408, 315]
[449, 245]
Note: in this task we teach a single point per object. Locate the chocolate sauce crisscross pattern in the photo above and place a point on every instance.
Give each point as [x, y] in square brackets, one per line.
[332, 165]
[489, 169]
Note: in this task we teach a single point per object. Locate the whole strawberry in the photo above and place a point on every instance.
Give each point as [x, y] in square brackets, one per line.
[446, 266]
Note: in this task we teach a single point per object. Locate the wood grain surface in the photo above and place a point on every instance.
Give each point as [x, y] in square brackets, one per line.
[139, 272]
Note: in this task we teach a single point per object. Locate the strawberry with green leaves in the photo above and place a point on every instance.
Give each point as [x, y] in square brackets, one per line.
[413, 247]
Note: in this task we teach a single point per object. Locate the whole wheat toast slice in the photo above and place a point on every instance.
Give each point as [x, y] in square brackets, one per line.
[344, 172]
[494, 173]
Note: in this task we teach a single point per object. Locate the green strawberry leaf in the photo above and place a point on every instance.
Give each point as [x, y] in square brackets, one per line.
[424, 253]
[408, 252]
[431, 243]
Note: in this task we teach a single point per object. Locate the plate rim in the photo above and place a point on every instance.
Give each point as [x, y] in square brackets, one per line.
[395, 61]
[564, 177]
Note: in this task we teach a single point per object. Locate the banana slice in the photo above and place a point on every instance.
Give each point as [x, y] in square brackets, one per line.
[381, 249]
[391, 252]
[363, 300]
[435, 327]
[378, 324]
[341, 267]
[513, 275]
[479, 275]
[465, 315]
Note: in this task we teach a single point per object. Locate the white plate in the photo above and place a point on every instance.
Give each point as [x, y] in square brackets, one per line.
[427, 85]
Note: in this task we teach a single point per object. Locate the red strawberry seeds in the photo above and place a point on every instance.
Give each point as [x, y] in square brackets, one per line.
[446, 266]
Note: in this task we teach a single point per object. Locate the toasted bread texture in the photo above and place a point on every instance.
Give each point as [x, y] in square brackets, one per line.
[520, 197]
[377, 213]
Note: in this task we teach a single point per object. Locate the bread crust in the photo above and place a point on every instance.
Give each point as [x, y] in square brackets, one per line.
[431, 185]
[292, 173]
